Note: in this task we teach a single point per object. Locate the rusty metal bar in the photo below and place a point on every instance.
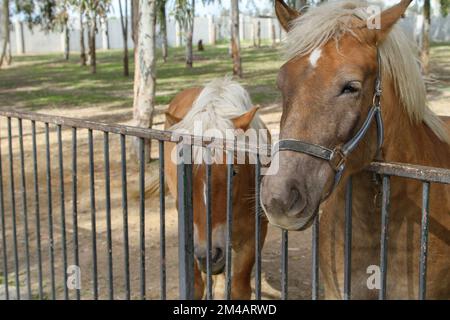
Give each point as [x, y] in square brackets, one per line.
[185, 222]
[63, 211]
[229, 238]
[126, 247]
[385, 207]
[108, 215]
[37, 209]
[24, 208]
[429, 174]
[348, 240]
[2, 219]
[315, 259]
[13, 210]
[424, 240]
[284, 264]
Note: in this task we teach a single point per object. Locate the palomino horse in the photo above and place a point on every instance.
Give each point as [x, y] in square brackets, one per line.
[328, 86]
[219, 106]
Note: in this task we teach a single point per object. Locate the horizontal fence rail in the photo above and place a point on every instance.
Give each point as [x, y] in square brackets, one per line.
[53, 221]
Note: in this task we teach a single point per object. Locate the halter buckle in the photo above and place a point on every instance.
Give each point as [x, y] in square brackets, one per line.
[338, 159]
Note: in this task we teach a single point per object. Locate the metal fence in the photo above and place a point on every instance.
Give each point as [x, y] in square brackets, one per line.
[48, 281]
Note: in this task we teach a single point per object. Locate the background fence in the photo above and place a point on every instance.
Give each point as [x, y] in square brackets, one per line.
[209, 29]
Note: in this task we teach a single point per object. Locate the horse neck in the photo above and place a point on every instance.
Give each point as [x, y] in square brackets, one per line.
[407, 141]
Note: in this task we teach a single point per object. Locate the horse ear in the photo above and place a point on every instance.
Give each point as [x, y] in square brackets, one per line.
[387, 19]
[243, 121]
[171, 119]
[285, 14]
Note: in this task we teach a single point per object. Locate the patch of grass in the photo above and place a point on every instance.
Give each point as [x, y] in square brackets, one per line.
[38, 82]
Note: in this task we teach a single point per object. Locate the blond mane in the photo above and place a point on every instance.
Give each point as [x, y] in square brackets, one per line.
[220, 101]
[332, 20]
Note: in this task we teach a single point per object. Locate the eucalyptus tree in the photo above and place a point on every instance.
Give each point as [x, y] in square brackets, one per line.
[145, 69]
[185, 14]
[93, 10]
[6, 47]
[124, 26]
[161, 17]
[235, 40]
[425, 43]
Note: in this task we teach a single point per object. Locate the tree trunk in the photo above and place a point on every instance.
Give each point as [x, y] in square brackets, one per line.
[425, 55]
[66, 40]
[82, 47]
[258, 34]
[105, 32]
[6, 48]
[124, 25]
[189, 37]
[134, 21]
[92, 49]
[163, 29]
[274, 34]
[235, 40]
[145, 71]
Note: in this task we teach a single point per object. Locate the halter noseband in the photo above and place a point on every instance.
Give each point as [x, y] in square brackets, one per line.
[337, 157]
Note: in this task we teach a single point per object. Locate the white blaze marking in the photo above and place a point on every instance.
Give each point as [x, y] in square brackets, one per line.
[314, 57]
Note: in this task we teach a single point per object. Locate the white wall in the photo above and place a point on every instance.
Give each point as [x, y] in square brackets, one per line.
[37, 41]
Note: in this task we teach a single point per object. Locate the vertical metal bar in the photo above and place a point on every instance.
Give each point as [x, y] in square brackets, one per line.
[348, 240]
[424, 240]
[126, 252]
[13, 210]
[63, 211]
[162, 222]
[142, 216]
[185, 222]
[93, 215]
[50, 211]
[385, 206]
[2, 216]
[315, 258]
[229, 241]
[209, 291]
[75, 203]
[257, 229]
[108, 215]
[284, 264]
[24, 208]
[37, 209]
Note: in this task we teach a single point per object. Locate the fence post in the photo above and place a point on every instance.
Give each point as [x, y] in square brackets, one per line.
[185, 222]
[242, 27]
[211, 30]
[178, 34]
[20, 43]
[105, 33]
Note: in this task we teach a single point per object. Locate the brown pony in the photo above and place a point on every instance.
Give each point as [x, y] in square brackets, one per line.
[328, 86]
[220, 105]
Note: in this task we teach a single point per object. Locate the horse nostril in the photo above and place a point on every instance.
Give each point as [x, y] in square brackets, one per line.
[294, 197]
[218, 255]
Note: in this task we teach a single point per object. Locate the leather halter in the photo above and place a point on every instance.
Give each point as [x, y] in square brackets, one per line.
[337, 157]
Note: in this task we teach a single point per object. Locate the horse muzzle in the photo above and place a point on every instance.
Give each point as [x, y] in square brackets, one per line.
[217, 260]
[285, 203]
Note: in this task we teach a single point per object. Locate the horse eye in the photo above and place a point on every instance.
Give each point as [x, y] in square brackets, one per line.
[350, 87]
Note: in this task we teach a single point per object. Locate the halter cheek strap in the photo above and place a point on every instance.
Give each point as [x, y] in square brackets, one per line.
[337, 157]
